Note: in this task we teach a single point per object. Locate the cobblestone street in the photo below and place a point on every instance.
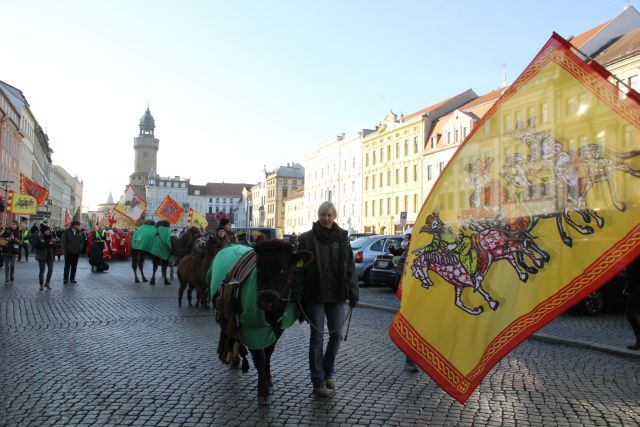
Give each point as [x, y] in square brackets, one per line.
[110, 352]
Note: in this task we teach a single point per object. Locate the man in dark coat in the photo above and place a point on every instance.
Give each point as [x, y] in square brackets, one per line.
[323, 288]
[72, 242]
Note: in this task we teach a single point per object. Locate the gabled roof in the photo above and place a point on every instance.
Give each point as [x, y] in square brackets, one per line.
[620, 48]
[579, 40]
[420, 113]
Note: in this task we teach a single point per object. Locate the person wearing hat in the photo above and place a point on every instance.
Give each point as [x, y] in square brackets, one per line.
[72, 244]
[231, 237]
[221, 233]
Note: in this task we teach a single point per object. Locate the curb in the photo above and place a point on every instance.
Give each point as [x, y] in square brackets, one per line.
[542, 337]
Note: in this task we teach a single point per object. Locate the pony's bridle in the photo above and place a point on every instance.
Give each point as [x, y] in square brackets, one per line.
[273, 293]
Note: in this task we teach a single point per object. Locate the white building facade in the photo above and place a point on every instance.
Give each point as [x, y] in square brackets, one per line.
[333, 172]
[294, 214]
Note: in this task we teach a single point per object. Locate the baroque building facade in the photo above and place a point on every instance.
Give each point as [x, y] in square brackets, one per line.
[392, 166]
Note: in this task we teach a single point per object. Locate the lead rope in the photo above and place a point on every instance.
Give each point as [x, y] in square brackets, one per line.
[347, 318]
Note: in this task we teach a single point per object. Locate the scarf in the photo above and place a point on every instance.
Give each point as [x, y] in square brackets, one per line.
[329, 236]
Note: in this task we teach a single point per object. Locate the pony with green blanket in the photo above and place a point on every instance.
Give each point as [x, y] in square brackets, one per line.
[252, 288]
[154, 240]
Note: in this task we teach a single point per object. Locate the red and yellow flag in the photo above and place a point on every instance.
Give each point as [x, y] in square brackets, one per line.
[196, 220]
[32, 188]
[67, 218]
[21, 204]
[170, 210]
[538, 208]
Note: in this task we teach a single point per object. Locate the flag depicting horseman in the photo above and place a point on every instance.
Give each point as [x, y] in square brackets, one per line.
[538, 208]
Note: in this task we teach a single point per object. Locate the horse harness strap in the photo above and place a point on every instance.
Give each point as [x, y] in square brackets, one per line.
[230, 291]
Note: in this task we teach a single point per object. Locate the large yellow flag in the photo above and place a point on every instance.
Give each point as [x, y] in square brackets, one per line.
[196, 220]
[538, 208]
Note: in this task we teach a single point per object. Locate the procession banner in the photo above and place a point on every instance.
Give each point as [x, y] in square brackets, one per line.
[21, 204]
[32, 188]
[170, 210]
[130, 204]
[196, 220]
[67, 218]
[538, 208]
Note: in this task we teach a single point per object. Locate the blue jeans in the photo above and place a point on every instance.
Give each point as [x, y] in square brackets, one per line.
[42, 265]
[321, 363]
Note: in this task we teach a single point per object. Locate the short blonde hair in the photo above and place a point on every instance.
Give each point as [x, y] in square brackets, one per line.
[325, 207]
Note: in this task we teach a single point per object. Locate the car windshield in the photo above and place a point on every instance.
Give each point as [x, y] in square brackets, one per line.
[359, 242]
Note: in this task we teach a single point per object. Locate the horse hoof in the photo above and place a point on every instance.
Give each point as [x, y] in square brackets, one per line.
[167, 283]
[264, 400]
[137, 281]
[494, 305]
[152, 283]
[145, 280]
[179, 303]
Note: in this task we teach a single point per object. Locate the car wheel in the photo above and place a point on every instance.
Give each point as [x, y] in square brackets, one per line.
[366, 279]
[593, 304]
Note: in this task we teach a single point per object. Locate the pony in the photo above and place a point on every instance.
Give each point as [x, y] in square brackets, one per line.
[192, 270]
[254, 310]
[178, 247]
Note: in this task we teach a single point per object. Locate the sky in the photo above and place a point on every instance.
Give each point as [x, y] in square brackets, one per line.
[235, 86]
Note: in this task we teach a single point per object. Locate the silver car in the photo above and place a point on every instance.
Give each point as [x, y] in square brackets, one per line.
[367, 248]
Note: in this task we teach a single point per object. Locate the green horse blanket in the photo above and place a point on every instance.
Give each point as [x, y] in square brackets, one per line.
[154, 240]
[255, 332]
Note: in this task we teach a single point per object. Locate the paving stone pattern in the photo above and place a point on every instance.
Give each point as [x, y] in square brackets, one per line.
[108, 352]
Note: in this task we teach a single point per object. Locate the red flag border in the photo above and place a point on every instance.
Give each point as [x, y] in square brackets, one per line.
[169, 199]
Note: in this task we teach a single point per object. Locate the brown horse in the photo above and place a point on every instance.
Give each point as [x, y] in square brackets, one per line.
[192, 270]
[180, 247]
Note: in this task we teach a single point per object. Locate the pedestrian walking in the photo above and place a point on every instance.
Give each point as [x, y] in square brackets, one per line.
[72, 243]
[45, 254]
[323, 288]
[632, 309]
[10, 250]
[25, 242]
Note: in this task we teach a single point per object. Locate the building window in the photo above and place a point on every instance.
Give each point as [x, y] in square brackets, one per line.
[388, 206]
[433, 141]
[415, 145]
[366, 162]
[373, 208]
[397, 204]
[397, 150]
[415, 172]
[455, 135]
[406, 170]
[373, 182]
[429, 173]
[397, 176]
[366, 208]
[406, 147]
[381, 155]
[448, 138]
[381, 180]
[210, 209]
[373, 158]
[406, 203]
[388, 152]
[441, 166]
[217, 200]
[389, 178]
[415, 203]
[464, 132]
[545, 112]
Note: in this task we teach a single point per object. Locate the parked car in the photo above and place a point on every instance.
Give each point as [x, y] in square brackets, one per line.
[609, 296]
[367, 248]
[354, 236]
[387, 271]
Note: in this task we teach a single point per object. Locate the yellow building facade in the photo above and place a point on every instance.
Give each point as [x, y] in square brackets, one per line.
[392, 166]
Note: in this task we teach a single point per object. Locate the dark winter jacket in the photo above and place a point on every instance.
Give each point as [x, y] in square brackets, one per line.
[15, 241]
[45, 248]
[324, 280]
[72, 243]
